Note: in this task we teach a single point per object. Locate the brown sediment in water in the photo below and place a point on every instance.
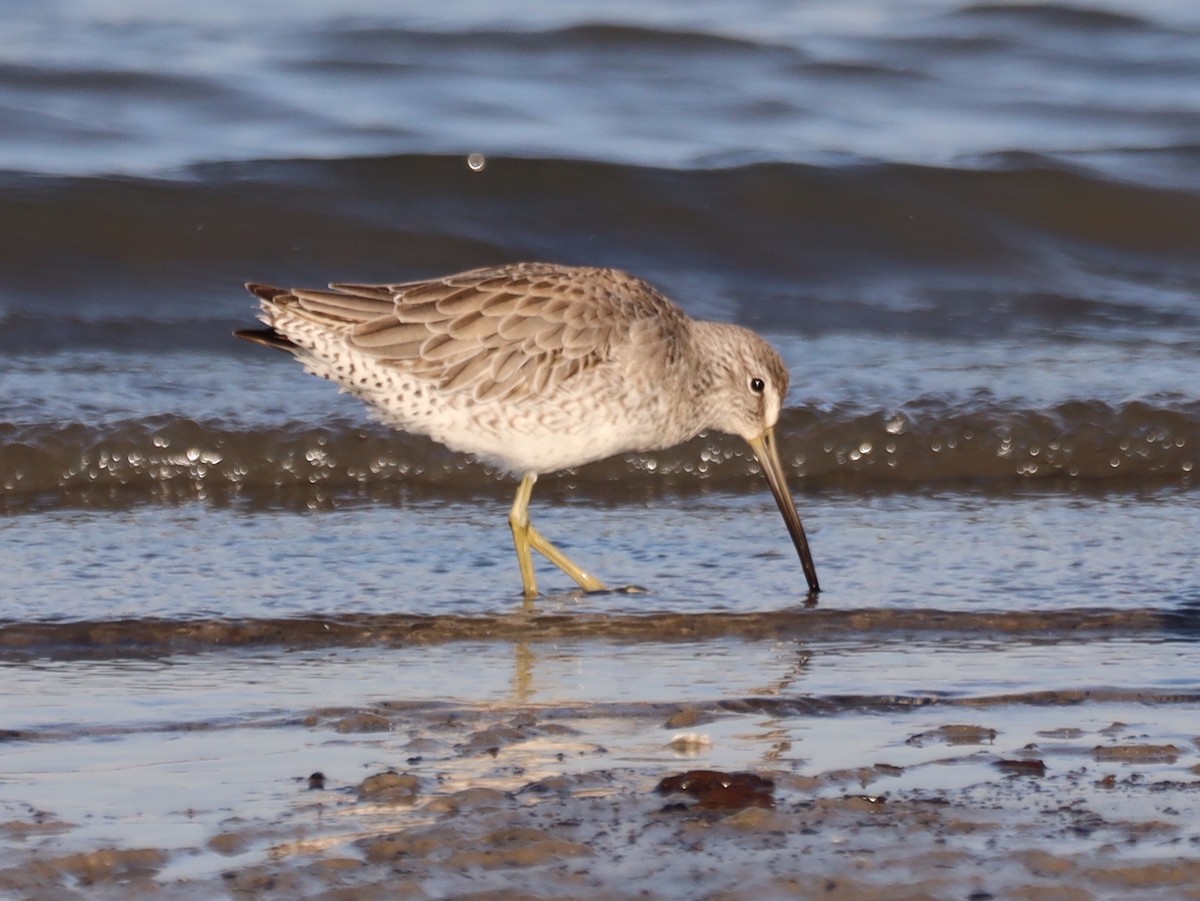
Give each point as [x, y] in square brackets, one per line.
[149, 635]
[716, 790]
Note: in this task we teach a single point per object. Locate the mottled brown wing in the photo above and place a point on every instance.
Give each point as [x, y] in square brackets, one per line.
[503, 332]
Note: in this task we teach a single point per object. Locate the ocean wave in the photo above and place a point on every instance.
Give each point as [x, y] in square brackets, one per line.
[1070, 18]
[661, 83]
[1024, 244]
[1083, 445]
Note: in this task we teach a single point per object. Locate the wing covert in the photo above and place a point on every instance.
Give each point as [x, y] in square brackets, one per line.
[500, 332]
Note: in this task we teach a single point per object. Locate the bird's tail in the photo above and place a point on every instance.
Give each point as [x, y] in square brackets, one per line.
[267, 337]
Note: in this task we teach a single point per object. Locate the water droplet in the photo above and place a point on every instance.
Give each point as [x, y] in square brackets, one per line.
[476, 162]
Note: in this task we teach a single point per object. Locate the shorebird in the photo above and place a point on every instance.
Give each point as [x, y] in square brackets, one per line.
[536, 367]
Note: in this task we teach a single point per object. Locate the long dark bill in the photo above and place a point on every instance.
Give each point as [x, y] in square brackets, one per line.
[768, 458]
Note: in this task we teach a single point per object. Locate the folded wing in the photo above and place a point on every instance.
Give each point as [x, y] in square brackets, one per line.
[498, 333]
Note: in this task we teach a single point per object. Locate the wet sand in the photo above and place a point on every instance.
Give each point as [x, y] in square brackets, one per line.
[555, 801]
[155, 636]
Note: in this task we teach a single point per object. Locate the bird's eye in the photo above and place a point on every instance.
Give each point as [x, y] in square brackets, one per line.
[758, 386]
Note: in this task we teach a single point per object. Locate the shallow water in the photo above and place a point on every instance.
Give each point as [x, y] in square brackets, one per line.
[183, 747]
[1045, 553]
[971, 230]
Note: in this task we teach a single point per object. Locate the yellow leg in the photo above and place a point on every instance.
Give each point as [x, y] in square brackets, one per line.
[525, 536]
[518, 520]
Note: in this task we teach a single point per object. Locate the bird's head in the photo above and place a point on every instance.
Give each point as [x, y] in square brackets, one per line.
[748, 386]
[749, 383]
